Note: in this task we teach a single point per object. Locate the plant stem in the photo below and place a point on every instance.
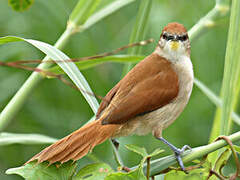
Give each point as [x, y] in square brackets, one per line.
[139, 31]
[231, 68]
[19, 98]
[148, 167]
[117, 155]
[220, 10]
[159, 165]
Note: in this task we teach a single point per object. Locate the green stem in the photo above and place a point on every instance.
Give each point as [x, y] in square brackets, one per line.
[139, 31]
[19, 98]
[222, 124]
[148, 167]
[231, 68]
[159, 165]
[209, 20]
[117, 155]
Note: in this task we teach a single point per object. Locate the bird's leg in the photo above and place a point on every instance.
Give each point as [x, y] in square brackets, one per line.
[176, 151]
[115, 143]
[118, 159]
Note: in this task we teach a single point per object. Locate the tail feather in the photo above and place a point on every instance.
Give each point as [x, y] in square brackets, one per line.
[64, 158]
[77, 144]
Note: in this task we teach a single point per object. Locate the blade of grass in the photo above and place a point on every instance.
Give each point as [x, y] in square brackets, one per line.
[229, 62]
[12, 138]
[85, 64]
[139, 31]
[104, 12]
[231, 71]
[69, 67]
[82, 11]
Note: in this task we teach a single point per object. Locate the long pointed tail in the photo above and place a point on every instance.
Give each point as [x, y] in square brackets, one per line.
[77, 144]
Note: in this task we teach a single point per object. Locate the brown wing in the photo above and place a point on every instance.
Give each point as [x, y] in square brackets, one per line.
[107, 99]
[148, 86]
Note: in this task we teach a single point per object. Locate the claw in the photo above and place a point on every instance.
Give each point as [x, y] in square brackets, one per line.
[185, 147]
[178, 152]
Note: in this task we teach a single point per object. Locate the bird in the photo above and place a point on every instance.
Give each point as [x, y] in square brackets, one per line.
[147, 99]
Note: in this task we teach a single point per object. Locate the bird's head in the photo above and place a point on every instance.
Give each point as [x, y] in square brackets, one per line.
[174, 40]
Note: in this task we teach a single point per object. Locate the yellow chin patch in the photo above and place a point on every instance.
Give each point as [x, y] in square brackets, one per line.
[174, 45]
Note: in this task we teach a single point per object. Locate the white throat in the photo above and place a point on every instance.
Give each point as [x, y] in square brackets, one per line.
[180, 61]
[172, 55]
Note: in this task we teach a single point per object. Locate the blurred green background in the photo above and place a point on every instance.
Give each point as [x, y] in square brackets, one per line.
[56, 110]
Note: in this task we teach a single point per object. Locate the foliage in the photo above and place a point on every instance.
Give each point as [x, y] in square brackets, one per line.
[13, 138]
[97, 61]
[33, 171]
[64, 171]
[93, 171]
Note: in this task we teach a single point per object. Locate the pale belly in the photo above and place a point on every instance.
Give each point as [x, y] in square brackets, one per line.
[155, 120]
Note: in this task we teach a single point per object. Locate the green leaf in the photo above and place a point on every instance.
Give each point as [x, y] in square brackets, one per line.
[12, 138]
[139, 30]
[196, 174]
[140, 27]
[33, 171]
[231, 69]
[104, 12]
[69, 67]
[85, 64]
[193, 175]
[8, 39]
[139, 150]
[222, 159]
[237, 148]
[20, 5]
[156, 152]
[94, 171]
[82, 11]
[136, 174]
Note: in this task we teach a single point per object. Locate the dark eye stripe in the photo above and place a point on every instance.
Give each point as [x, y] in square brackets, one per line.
[178, 38]
[182, 38]
[170, 37]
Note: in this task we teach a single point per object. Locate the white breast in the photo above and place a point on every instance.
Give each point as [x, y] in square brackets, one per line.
[163, 117]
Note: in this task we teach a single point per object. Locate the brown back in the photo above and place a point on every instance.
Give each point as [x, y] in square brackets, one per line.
[151, 84]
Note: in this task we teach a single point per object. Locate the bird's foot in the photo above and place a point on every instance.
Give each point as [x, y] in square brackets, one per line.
[178, 152]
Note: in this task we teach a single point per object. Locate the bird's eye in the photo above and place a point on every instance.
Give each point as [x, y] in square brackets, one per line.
[182, 38]
[164, 36]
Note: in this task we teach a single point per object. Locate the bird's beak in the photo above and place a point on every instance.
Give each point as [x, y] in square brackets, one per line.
[174, 45]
